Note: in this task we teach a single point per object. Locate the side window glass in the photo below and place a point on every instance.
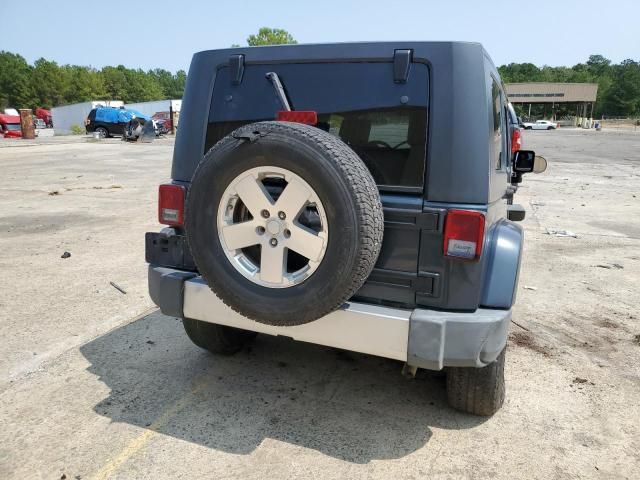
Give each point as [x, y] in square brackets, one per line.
[497, 124]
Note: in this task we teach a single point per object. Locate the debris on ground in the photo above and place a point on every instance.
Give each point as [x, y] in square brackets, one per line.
[636, 339]
[610, 266]
[519, 325]
[118, 287]
[580, 380]
[65, 255]
[561, 233]
[526, 340]
[606, 323]
[151, 342]
[527, 287]
[54, 192]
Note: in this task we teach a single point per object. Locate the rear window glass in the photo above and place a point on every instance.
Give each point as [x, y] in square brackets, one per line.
[384, 122]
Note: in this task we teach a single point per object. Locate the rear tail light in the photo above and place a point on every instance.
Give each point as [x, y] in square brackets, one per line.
[171, 205]
[463, 234]
[298, 116]
[516, 140]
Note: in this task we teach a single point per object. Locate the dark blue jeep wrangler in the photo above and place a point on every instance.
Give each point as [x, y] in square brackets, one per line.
[331, 194]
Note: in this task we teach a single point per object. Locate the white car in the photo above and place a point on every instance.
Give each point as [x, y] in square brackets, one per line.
[540, 125]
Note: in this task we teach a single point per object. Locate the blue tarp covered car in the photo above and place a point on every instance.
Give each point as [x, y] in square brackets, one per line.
[117, 115]
[108, 121]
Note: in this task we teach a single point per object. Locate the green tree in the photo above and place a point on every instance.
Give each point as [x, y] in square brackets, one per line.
[179, 82]
[270, 36]
[172, 85]
[520, 72]
[618, 85]
[623, 96]
[598, 65]
[48, 83]
[141, 87]
[115, 82]
[15, 82]
[83, 84]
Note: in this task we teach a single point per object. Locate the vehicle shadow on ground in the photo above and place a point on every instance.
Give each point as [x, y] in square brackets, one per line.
[349, 406]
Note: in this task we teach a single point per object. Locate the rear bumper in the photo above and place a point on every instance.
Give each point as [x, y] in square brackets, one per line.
[421, 337]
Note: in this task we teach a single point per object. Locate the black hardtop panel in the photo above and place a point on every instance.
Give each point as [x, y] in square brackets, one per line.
[321, 87]
[458, 156]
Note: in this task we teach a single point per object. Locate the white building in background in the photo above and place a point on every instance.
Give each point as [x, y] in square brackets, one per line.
[149, 108]
[67, 115]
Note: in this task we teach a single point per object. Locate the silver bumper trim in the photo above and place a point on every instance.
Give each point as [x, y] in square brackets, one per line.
[423, 338]
[363, 328]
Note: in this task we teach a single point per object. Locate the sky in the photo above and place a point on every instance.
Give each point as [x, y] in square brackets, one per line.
[165, 34]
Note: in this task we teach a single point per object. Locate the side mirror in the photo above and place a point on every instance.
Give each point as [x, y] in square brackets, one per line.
[523, 161]
[526, 161]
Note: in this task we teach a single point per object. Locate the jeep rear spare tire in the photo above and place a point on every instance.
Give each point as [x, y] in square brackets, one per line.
[284, 222]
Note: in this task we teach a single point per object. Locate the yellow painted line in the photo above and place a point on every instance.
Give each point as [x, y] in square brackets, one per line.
[138, 443]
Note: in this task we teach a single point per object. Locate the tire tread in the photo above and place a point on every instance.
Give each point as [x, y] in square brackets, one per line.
[479, 391]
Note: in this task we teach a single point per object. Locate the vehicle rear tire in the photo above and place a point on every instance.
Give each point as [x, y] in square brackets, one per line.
[103, 132]
[218, 339]
[330, 217]
[479, 391]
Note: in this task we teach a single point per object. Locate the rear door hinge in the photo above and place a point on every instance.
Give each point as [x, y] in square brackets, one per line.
[401, 65]
[236, 69]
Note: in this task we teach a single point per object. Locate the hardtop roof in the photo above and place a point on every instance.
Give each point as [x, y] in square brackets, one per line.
[360, 47]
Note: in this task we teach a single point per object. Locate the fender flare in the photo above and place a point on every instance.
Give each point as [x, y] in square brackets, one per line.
[502, 268]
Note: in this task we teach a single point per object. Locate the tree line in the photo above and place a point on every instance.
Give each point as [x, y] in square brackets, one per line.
[47, 84]
[618, 84]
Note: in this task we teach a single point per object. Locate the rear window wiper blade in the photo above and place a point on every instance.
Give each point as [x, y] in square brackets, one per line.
[279, 89]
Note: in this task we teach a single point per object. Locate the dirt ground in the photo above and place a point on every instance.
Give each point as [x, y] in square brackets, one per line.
[95, 383]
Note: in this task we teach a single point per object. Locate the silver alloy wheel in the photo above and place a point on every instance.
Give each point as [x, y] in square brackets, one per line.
[274, 225]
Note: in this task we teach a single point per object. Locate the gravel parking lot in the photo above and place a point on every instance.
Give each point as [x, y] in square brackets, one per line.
[95, 383]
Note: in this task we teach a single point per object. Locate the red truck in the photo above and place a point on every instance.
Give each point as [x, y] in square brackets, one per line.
[10, 126]
[44, 115]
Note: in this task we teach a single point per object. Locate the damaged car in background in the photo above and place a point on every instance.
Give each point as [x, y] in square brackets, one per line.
[128, 123]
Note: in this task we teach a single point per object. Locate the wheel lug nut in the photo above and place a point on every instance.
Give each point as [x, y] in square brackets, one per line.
[287, 233]
[260, 230]
[273, 242]
[265, 213]
[281, 215]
